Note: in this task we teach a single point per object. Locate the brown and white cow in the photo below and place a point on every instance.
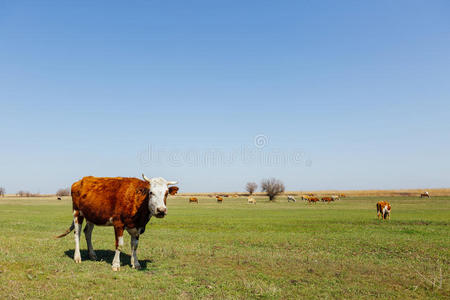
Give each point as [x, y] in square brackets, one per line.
[193, 200]
[219, 199]
[384, 210]
[313, 199]
[327, 199]
[425, 195]
[125, 203]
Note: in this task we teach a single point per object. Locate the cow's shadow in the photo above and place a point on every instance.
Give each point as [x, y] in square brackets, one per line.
[107, 256]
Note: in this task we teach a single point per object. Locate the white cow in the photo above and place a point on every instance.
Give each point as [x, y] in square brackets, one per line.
[291, 199]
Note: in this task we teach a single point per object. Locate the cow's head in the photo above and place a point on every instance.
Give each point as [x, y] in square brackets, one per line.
[159, 189]
[386, 211]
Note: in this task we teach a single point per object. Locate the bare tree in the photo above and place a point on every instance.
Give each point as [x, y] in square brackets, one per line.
[272, 187]
[251, 187]
[2, 191]
[22, 193]
[63, 192]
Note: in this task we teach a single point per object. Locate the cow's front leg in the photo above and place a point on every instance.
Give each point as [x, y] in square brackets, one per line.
[78, 222]
[118, 230]
[134, 244]
[88, 234]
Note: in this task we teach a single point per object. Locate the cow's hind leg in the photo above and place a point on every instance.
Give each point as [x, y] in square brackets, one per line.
[134, 244]
[118, 230]
[88, 234]
[77, 221]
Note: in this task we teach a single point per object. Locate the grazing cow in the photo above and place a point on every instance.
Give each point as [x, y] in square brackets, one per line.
[59, 198]
[310, 195]
[251, 200]
[313, 199]
[425, 195]
[335, 198]
[342, 196]
[193, 199]
[327, 199]
[219, 199]
[125, 203]
[305, 197]
[291, 199]
[384, 210]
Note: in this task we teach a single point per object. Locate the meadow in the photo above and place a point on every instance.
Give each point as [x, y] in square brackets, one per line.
[235, 250]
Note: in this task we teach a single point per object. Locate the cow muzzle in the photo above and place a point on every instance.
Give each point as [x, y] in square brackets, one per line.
[161, 212]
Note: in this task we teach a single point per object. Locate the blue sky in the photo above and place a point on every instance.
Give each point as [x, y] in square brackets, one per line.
[340, 94]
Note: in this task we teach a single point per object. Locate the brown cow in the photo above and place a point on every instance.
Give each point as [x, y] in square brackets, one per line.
[125, 203]
[313, 199]
[219, 199]
[327, 199]
[384, 210]
[193, 199]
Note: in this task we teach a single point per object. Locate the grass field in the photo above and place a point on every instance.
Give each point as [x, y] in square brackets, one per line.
[235, 250]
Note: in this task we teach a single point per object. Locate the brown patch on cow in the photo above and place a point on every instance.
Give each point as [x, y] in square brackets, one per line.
[173, 190]
[123, 200]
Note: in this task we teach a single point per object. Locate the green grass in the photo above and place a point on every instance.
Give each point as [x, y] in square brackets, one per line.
[235, 250]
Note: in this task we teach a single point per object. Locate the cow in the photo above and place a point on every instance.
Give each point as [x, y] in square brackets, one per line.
[251, 200]
[335, 198]
[291, 199]
[125, 203]
[327, 199]
[384, 210]
[219, 199]
[342, 196]
[425, 194]
[59, 198]
[193, 199]
[313, 199]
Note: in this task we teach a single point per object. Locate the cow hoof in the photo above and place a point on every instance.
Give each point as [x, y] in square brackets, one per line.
[93, 256]
[77, 260]
[137, 267]
[115, 269]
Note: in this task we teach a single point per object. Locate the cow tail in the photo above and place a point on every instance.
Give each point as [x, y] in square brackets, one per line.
[67, 231]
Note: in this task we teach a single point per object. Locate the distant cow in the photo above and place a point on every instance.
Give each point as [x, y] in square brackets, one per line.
[59, 198]
[305, 197]
[327, 199]
[251, 200]
[342, 195]
[193, 199]
[313, 199]
[219, 199]
[425, 195]
[384, 210]
[291, 199]
[125, 203]
[335, 198]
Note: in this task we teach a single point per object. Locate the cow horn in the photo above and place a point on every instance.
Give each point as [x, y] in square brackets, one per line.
[172, 182]
[145, 177]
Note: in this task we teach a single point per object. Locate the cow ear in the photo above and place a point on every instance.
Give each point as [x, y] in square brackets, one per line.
[173, 190]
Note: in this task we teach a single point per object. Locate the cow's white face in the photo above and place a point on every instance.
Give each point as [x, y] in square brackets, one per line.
[159, 190]
[386, 212]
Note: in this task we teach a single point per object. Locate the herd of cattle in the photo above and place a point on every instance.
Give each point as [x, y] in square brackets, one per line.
[311, 198]
[129, 203]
